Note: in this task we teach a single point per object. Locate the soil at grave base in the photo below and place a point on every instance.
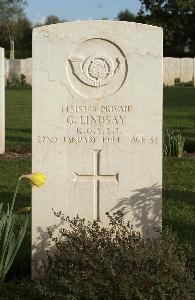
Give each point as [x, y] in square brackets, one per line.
[188, 154]
[9, 155]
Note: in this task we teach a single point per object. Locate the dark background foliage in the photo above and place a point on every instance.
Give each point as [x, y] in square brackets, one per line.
[176, 17]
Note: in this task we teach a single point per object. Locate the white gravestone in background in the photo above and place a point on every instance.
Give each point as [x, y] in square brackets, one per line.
[97, 123]
[26, 69]
[29, 70]
[168, 71]
[6, 66]
[187, 69]
[15, 68]
[2, 101]
[194, 72]
[177, 68]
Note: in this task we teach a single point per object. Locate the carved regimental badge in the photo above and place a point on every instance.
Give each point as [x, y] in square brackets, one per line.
[97, 68]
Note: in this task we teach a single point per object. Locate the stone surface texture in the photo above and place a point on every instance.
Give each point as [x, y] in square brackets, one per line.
[97, 123]
[26, 69]
[194, 73]
[6, 70]
[170, 63]
[177, 68]
[187, 69]
[14, 68]
[2, 101]
[168, 71]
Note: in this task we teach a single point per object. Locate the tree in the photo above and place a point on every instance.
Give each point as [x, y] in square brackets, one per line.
[179, 6]
[126, 15]
[24, 38]
[51, 19]
[177, 17]
[10, 12]
[23, 42]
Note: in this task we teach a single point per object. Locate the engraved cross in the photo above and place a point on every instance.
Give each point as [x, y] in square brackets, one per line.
[96, 177]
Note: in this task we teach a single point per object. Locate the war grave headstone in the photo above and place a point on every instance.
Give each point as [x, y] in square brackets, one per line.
[26, 69]
[177, 68]
[6, 70]
[22, 69]
[2, 101]
[15, 69]
[194, 73]
[168, 71]
[97, 123]
[186, 69]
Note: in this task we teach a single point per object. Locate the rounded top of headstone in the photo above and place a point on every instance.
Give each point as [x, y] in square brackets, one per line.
[96, 22]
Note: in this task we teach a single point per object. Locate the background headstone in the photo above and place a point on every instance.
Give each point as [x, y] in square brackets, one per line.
[187, 69]
[14, 69]
[22, 69]
[168, 71]
[2, 101]
[28, 70]
[194, 74]
[177, 68]
[97, 123]
[6, 70]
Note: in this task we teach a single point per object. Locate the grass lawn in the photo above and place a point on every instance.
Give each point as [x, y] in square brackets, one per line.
[179, 113]
[10, 170]
[18, 110]
[179, 197]
[178, 174]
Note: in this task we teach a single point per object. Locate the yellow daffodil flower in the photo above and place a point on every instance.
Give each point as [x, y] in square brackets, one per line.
[37, 179]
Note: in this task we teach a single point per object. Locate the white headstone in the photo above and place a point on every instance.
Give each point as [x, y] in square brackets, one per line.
[168, 71]
[187, 67]
[14, 68]
[2, 101]
[194, 74]
[29, 70]
[26, 69]
[177, 68]
[23, 66]
[6, 70]
[97, 123]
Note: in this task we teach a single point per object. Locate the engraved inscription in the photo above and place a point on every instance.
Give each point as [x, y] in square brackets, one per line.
[97, 68]
[102, 124]
[95, 123]
[96, 178]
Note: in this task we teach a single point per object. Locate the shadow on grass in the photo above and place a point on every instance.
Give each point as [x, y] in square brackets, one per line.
[189, 146]
[25, 130]
[22, 264]
[180, 206]
[181, 119]
[21, 199]
[18, 139]
[188, 197]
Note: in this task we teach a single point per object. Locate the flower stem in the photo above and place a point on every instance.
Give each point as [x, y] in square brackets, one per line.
[14, 198]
